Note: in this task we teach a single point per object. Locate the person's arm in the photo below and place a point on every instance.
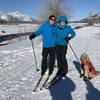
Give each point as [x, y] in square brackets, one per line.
[36, 33]
[71, 34]
[39, 31]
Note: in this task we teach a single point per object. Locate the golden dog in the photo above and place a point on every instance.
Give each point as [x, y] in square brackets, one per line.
[87, 69]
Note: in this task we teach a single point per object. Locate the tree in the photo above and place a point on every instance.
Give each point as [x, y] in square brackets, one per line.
[57, 8]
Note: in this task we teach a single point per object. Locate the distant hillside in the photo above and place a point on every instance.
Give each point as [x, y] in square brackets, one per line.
[92, 19]
[15, 17]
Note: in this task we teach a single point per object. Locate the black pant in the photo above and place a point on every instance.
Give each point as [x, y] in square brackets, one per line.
[62, 64]
[48, 52]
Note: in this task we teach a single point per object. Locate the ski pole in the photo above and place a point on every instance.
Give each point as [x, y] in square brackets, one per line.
[35, 56]
[74, 52]
[76, 57]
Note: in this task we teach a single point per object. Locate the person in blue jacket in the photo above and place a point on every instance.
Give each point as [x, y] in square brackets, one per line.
[47, 30]
[64, 33]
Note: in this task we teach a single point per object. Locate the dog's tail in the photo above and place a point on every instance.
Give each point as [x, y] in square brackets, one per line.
[97, 73]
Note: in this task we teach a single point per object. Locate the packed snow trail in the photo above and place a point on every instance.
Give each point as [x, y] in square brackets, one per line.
[18, 74]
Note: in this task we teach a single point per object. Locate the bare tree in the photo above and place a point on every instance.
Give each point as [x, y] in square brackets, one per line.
[90, 18]
[57, 8]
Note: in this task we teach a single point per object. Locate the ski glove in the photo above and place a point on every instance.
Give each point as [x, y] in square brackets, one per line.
[68, 38]
[32, 36]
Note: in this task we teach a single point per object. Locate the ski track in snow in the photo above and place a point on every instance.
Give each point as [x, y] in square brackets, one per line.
[18, 75]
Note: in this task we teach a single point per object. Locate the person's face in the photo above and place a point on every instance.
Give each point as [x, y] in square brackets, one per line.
[62, 23]
[52, 21]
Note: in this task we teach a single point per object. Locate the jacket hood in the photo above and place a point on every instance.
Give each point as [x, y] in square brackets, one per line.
[63, 18]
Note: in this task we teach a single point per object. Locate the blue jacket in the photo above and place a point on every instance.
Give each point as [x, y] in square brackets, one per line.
[61, 33]
[48, 33]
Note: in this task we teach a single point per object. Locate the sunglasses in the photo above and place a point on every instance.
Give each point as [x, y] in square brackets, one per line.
[53, 19]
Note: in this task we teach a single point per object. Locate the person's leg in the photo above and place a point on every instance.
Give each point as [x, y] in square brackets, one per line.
[51, 60]
[44, 60]
[64, 60]
[59, 60]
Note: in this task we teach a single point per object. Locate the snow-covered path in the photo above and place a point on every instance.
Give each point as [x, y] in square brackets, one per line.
[18, 75]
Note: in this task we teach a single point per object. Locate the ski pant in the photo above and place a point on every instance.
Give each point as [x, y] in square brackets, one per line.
[62, 64]
[48, 52]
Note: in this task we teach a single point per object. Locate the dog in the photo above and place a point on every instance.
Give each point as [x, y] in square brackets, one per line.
[87, 69]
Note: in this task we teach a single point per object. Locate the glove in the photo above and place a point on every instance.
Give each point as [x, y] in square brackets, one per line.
[68, 38]
[32, 36]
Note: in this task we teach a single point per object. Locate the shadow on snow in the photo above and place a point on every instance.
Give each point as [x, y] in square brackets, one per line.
[62, 90]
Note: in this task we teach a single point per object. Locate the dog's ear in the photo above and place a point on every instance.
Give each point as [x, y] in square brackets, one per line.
[84, 57]
[87, 57]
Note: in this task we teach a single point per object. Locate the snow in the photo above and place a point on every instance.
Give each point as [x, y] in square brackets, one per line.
[74, 25]
[8, 16]
[18, 75]
[4, 17]
[20, 28]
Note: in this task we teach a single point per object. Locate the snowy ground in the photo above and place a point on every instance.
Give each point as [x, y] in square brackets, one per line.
[20, 28]
[18, 75]
[16, 29]
[74, 25]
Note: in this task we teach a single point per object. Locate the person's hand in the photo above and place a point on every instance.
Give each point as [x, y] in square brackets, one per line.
[31, 36]
[68, 38]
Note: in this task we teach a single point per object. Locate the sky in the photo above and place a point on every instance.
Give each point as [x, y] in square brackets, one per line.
[79, 8]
